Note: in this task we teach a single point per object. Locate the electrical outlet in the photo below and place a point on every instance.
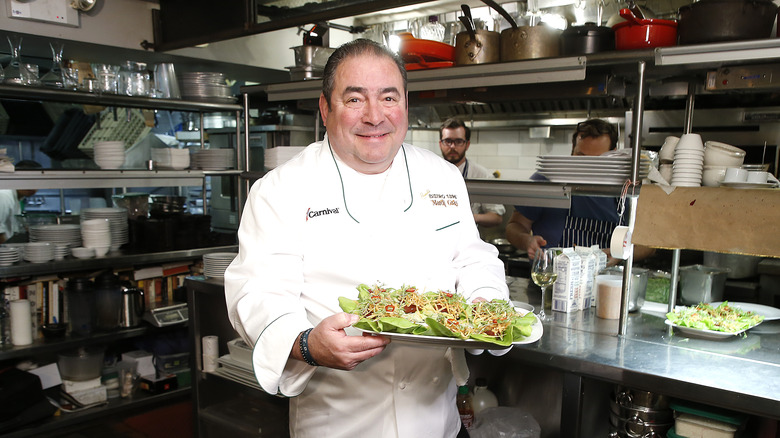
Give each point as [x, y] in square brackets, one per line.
[47, 11]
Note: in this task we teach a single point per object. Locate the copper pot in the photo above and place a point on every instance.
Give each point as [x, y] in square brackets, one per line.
[530, 42]
[482, 48]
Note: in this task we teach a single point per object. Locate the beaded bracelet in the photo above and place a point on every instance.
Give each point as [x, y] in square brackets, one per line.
[304, 344]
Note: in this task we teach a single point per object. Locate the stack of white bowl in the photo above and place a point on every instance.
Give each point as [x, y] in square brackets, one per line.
[9, 256]
[688, 161]
[39, 252]
[169, 158]
[96, 233]
[717, 158]
[117, 218]
[109, 154]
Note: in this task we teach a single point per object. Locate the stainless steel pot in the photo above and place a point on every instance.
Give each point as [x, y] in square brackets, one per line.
[630, 397]
[530, 42]
[701, 284]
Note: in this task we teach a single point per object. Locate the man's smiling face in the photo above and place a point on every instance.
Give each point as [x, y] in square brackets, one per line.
[367, 117]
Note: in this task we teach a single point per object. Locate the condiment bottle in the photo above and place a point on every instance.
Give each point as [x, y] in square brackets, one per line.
[432, 30]
[465, 408]
[483, 397]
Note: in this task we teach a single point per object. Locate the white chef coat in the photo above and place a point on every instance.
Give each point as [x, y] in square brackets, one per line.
[9, 207]
[312, 230]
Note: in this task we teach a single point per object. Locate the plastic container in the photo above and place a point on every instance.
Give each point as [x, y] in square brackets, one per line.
[483, 397]
[86, 363]
[639, 278]
[692, 426]
[465, 407]
[609, 289]
[81, 305]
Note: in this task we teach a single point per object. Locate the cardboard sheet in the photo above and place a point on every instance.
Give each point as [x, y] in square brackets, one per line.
[738, 221]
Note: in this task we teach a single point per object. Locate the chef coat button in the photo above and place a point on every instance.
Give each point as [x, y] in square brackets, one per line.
[402, 386]
[436, 379]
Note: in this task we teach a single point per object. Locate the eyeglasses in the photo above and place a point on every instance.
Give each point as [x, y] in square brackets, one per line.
[594, 127]
[450, 142]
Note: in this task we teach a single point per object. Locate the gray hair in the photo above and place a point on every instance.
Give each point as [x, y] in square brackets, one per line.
[348, 50]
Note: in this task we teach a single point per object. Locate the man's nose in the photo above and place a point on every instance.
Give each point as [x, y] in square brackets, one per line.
[373, 112]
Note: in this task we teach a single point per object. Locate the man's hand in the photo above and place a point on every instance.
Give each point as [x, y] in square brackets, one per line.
[535, 243]
[330, 346]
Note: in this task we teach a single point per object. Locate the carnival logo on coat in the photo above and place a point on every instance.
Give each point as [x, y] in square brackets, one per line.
[310, 214]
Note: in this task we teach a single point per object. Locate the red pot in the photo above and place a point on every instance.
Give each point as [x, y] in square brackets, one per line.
[644, 33]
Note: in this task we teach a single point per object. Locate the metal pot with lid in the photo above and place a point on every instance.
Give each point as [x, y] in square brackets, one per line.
[587, 39]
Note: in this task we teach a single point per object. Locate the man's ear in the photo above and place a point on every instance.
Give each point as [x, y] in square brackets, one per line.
[324, 108]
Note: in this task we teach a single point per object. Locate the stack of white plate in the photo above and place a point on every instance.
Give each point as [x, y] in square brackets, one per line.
[279, 155]
[96, 233]
[117, 218]
[9, 256]
[213, 159]
[205, 86]
[109, 154]
[688, 163]
[588, 169]
[61, 251]
[39, 252]
[17, 246]
[214, 264]
[61, 234]
[169, 158]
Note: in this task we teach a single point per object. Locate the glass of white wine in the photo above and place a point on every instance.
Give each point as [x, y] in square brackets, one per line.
[543, 274]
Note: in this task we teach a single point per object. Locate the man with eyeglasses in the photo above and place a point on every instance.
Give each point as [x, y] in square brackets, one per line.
[589, 221]
[454, 141]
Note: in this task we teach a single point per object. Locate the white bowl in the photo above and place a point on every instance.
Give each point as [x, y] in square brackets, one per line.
[83, 253]
[100, 251]
[722, 154]
[713, 175]
[689, 142]
[667, 149]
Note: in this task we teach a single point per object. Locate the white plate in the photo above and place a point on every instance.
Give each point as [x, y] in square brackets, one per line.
[440, 341]
[769, 313]
[746, 185]
[706, 334]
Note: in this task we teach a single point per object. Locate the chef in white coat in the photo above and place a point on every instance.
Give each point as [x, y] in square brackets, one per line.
[360, 206]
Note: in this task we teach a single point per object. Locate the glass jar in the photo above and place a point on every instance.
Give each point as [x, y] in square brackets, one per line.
[134, 79]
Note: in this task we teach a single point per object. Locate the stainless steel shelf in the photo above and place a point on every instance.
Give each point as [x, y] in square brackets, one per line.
[534, 193]
[109, 261]
[82, 97]
[75, 179]
[714, 53]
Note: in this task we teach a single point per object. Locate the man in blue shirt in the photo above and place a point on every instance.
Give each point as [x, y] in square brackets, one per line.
[589, 221]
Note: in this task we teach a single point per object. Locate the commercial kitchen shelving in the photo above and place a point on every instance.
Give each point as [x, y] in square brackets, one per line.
[66, 179]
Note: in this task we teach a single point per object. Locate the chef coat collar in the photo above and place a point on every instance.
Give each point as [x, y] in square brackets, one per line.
[402, 151]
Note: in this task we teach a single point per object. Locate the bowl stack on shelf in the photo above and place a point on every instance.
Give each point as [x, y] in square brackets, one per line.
[117, 218]
[109, 154]
[688, 161]
[214, 264]
[96, 233]
[717, 158]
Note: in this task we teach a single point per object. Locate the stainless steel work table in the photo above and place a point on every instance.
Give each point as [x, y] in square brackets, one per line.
[740, 373]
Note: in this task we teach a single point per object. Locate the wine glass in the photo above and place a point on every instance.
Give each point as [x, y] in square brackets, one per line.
[54, 77]
[543, 273]
[13, 73]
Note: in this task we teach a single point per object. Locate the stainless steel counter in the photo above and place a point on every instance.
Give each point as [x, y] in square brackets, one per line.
[740, 373]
